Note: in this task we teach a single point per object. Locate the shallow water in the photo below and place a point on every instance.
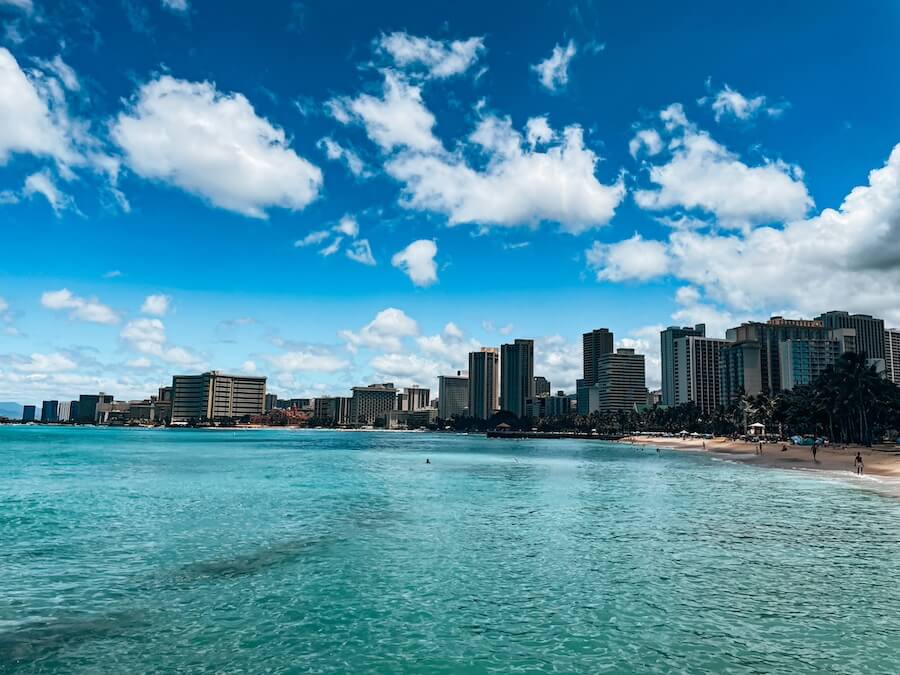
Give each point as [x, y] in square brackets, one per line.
[303, 551]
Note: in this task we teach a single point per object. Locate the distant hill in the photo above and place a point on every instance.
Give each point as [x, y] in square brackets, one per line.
[11, 410]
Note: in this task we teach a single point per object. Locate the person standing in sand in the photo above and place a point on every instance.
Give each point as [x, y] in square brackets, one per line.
[858, 463]
[815, 449]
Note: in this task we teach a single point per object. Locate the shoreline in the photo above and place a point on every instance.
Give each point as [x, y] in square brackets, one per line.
[833, 459]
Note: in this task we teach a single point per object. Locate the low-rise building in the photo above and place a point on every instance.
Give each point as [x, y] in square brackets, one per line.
[332, 410]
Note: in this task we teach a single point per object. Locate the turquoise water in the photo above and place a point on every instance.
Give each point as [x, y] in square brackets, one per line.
[131, 551]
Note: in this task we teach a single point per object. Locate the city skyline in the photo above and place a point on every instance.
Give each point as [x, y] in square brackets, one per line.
[394, 219]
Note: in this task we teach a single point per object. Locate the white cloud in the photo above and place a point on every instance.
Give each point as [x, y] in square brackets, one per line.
[559, 361]
[348, 226]
[406, 369]
[83, 309]
[112, 274]
[450, 345]
[731, 103]
[385, 331]
[398, 119]
[336, 152]
[332, 248]
[140, 362]
[63, 71]
[156, 305]
[519, 185]
[307, 361]
[841, 258]
[441, 58]
[176, 5]
[635, 258]
[24, 5]
[553, 72]
[248, 367]
[538, 131]
[33, 117]
[213, 145]
[361, 252]
[148, 336]
[648, 139]
[46, 363]
[417, 262]
[702, 174]
[316, 237]
[41, 183]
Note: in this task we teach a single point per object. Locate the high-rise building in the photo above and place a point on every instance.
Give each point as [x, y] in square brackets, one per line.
[667, 356]
[87, 406]
[697, 369]
[541, 386]
[559, 405]
[869, 331]
[65, 411]
[739, 371]
[333, 409]
[802, 361]
[582, 397]
[271, 400]
[414, 398]
[370, 404]
[28, 413]
[594, 344]
[621, 382]
[484, 371]
[892, 355]
[516, 375]
[215, 395]
[50, 411]
[453, 395]
[769, 336]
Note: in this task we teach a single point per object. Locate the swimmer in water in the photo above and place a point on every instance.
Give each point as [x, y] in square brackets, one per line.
[427, 461]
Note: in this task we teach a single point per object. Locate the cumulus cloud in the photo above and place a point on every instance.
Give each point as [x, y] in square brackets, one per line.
[417, 262]
[559, 361]
[46, 363]
[405, 369]
[148, 336]
[553, 72]
[439, 58]
[307, 360]
[384, 332]
[450, 345]
[538, 131]
[703, 175]
[338, 153]
[729, 102]
[647, 139]
[519, 185]
[348, 226]
[82, 309]
[397, 119]
[33, 117]
[213, 145]
[635, 258]
[156, 305]
[844, 257]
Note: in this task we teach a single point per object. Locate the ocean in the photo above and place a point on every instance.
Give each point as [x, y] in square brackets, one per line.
[295, 551]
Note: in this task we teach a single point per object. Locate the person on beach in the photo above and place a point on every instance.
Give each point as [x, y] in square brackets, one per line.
[783, 447]
[858, 462]
[815, 449]
[704, 445]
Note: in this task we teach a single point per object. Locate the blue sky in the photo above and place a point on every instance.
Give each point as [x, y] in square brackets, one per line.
[330, 193]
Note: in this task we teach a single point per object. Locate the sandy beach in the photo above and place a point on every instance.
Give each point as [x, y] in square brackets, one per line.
[883, 461]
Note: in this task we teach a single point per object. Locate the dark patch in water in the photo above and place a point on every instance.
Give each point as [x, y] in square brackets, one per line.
[251, 563]
[37, 639]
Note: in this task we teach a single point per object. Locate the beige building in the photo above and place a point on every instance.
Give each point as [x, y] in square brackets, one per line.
[215, 395]
[484, 382]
